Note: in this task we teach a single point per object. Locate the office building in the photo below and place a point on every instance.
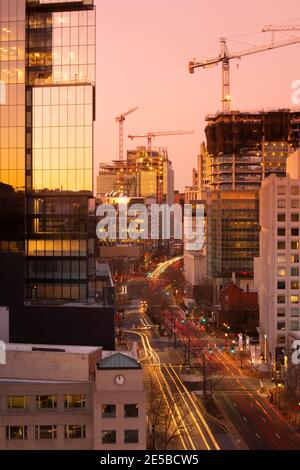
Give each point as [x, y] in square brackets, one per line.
[47, 58]
[98, 402]
[277, 274]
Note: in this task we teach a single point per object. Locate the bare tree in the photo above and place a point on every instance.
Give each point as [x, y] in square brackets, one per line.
[160, 420]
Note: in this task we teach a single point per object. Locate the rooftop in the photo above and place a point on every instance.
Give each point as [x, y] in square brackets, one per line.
[118, 361]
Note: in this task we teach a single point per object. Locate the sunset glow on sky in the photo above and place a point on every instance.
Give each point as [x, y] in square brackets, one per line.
[143, 49]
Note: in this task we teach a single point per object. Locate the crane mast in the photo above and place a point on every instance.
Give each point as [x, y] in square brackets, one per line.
[120, 119]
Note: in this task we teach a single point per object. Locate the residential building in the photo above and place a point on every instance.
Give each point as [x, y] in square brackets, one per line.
[98, 402]
[277, 274]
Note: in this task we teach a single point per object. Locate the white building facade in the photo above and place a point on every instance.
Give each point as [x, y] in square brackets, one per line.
[277, 275]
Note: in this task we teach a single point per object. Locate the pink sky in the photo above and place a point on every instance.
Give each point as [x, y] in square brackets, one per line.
[143, 50]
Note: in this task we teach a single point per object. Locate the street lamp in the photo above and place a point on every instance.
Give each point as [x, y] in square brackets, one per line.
[241, 356]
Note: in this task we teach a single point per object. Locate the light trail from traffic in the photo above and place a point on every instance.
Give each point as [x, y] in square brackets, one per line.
[188, 410]
[163, 266]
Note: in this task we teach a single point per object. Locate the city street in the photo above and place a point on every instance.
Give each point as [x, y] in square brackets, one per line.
[246, 419]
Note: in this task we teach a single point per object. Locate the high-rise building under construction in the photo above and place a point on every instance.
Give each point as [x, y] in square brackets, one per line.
[243, 148]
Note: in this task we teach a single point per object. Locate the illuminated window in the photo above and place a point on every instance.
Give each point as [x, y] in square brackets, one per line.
[294, 258]
[294, 245]
[281, 259]
[46, 401]
[16, 432]
[75, 431]
[281, 272]
[294, 299]
[14, 401]
[74, 401]
[295, 285]
[46, 432]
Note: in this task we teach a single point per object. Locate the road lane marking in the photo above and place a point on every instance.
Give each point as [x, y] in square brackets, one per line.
[277, 435]
[245, 419]
[258, 436]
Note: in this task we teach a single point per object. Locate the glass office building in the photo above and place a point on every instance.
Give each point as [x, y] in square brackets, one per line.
[47, 113]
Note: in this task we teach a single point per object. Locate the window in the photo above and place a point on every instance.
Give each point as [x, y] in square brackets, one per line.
[280, 339]
[295, 217]
[281, 245]
[15, 401]
[294, 312]
[109, 437]
[295, 190]
[295, 325]
[281, 312]
[280, 284]
[108, 411]
[131, 411]
[281, 232]
[74, 401]
[281, 203]
[294, 232]
[294, 285]
[281, 217]
[294, 258]
[281, 325]
[131, 436]
[281, 190]
[294, 299]
[295, 203]
[294, 271]
[74, 431]
[45, 432]
[281, 299]
[281, 272]
[46, 401]
[16, 432]
[294, 245]
[281, 259]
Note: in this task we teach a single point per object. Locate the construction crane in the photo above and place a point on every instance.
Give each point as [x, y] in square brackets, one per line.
[151, 135]
[120, 119]
[225, 58]
[280, 27]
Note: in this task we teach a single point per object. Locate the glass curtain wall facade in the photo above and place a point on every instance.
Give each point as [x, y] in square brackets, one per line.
[233, 232]
[48, 106]
[12, 124]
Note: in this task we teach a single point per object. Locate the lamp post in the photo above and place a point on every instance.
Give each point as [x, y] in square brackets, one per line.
[265, 348]
[241, 356]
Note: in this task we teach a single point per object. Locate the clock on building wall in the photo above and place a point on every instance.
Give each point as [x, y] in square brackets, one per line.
[119, 380]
